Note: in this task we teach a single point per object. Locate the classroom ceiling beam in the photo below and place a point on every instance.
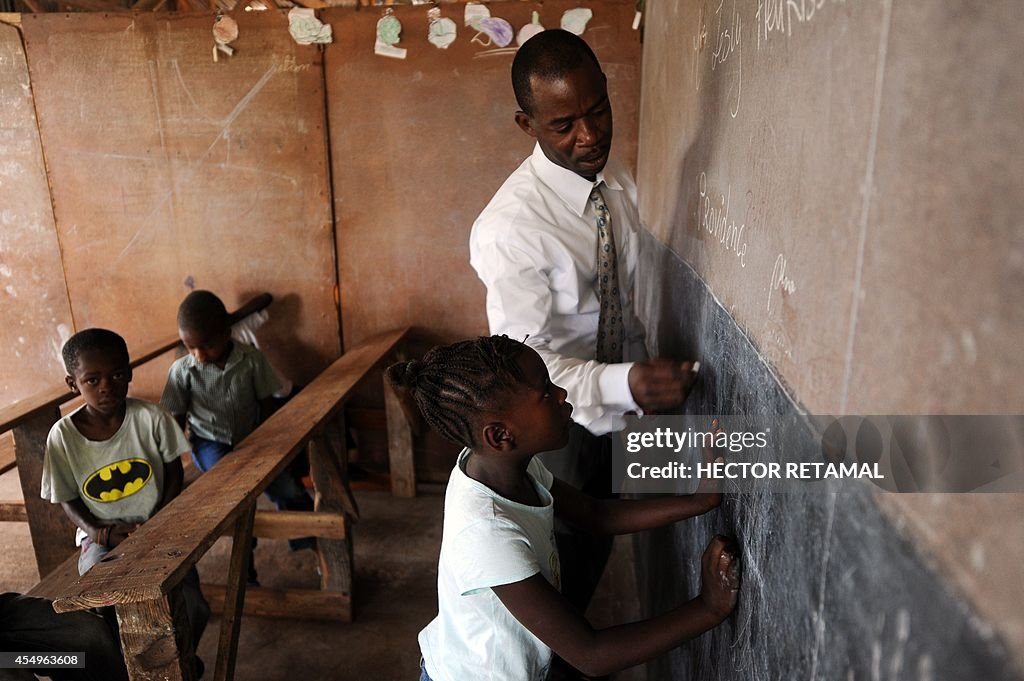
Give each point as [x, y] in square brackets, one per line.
[92, 5]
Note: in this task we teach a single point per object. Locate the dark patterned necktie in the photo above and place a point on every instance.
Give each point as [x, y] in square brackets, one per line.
[609, 322]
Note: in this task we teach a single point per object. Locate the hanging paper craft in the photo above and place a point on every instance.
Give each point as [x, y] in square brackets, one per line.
[575, 20]
[474, 13]
[529, 30]
[225, 30]
[389, 32]
[442, 30]
[305, 28]
[498, 30]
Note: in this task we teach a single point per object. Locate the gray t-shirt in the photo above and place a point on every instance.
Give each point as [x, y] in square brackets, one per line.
[120, 479]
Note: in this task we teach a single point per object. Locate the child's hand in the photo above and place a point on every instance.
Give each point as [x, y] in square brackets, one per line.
[720, 576]
[119, 532]
[709, 487]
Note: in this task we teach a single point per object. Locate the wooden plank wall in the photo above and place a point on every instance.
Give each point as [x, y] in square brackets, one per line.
[33, 301]
[169, 171]
[420, 145]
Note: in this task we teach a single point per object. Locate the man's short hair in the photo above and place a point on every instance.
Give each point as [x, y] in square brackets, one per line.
[549, 55]
[92, 339]
[203, 312]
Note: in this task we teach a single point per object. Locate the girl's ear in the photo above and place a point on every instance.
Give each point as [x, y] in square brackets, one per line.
[72, 386]
[498, 437]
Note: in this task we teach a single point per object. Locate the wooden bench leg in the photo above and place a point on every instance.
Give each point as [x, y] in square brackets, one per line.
[325, 469]
[157, 645]
[53, 534]
[400, 457]
[234, 600]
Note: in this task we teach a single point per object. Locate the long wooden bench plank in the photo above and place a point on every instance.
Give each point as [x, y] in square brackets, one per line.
[13, 511]
[155, 558]
[286, 603]
[59, 580]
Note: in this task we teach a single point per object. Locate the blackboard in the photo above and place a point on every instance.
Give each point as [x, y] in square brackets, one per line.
[832, 196]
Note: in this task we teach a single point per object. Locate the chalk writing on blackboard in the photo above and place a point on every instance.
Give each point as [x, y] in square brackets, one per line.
[780, 281]
[781, 15]
[726, 42]
[713, 216]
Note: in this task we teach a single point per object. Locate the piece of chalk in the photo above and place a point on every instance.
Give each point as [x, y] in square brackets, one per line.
[696, 367]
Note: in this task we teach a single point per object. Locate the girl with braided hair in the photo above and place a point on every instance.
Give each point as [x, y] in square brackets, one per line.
[501, 615]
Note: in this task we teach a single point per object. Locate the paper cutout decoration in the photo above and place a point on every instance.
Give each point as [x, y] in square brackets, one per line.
[442, 30]
[389, 32]
[306, 28]
[474, 13]
[225, 30]
[529, 30]
[498, 30]
[575, 20]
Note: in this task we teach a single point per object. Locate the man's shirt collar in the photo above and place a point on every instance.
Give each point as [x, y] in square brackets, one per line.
[573, 190]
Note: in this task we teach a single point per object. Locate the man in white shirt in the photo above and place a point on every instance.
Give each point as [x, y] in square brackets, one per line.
[536, 249]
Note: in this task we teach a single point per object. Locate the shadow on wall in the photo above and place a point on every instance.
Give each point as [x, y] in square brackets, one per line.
[831, 590]
[294, 358]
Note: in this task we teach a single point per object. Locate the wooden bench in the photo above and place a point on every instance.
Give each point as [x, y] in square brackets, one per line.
[141, 577]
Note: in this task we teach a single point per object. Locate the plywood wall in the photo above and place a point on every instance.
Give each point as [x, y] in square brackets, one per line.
[169, 171]
[34, 314]
[420, 145]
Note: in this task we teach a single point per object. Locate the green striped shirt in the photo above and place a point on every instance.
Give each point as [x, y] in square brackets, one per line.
[221, 404]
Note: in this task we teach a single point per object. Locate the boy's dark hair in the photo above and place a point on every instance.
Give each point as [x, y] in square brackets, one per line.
[92, 339]
[454, 383]
[202, 311]
[548, 55]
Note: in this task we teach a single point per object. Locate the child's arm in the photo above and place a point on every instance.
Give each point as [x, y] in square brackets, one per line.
[541, 609]
[105, 535]
[623, 516]
[174, 476]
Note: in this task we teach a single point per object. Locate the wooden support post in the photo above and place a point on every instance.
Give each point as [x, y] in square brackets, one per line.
[328, 481]
[400, 456]
[336, 438]
[53, 534]
[157, 645]
[234, 599]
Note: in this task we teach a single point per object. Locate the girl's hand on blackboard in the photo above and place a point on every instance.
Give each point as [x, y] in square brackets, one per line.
[720, 576]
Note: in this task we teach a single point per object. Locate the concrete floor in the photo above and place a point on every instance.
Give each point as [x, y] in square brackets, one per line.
[396, 547]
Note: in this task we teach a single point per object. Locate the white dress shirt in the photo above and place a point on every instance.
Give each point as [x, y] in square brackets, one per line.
[535, 248]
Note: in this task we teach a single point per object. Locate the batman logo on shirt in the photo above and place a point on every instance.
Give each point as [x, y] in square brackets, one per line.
[118, 480]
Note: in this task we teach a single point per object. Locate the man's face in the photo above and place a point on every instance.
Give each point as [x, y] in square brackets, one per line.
[572, 119]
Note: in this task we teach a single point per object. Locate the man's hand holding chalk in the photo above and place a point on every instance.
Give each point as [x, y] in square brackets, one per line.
[661, 385]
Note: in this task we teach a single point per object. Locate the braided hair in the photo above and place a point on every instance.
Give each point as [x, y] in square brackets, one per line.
[454, 383]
